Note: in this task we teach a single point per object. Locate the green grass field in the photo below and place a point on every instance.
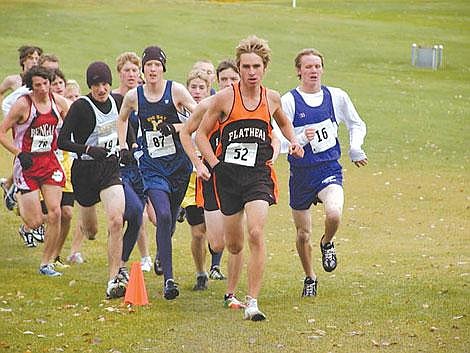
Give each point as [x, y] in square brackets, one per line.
[403, 281]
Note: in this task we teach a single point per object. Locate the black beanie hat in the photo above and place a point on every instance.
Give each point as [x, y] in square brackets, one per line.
[98, 72]
[154, 53]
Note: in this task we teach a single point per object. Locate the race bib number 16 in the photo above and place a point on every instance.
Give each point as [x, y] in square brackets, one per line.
[325, 136]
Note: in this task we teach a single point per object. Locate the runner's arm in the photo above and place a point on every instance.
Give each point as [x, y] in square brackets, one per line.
[284, 124]
[186, 132]
[129, 104]
[346, 112]
[8, 83]
[62, 103]
[79, 122]
[183, 101]
[17, 112]
[214, 111]
[276, 145]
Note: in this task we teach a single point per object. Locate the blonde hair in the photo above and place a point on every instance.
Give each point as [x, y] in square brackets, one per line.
[256, 45]
[193, 74]
[198, 63]
[72, 84]
[48, 57]
[125, 57]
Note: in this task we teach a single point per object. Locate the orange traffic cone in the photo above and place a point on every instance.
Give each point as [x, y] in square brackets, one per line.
[136, 294]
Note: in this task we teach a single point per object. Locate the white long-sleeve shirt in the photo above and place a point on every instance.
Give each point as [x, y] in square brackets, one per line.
[9, 100]
[344, 112]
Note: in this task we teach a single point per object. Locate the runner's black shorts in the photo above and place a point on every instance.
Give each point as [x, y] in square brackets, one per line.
[241, 184]
[90, 177]
[194, 215]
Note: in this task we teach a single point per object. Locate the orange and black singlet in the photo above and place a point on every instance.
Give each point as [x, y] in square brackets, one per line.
[245, 136]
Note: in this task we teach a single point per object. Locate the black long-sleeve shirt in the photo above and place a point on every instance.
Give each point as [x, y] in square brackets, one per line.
[80, 122]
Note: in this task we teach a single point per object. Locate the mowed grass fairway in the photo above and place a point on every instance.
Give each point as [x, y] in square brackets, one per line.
[403, 280]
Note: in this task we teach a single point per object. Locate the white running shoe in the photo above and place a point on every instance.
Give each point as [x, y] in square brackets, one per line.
[49, 271]
[252, 311]
[76, 258]
[146, 264]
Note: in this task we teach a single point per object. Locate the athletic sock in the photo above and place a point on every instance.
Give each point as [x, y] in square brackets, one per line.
[216, 257]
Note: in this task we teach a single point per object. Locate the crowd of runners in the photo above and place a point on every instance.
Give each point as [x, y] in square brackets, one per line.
[157, 150]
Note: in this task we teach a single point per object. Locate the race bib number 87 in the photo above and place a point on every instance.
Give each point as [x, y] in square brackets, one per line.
[159, 145]
[242, 153]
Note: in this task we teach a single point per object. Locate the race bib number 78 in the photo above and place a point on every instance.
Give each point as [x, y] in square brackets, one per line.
[41, 143]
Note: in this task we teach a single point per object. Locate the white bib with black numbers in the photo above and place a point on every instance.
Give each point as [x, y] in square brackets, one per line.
[108, 137]
[41, 143]
[159, 145]
[105, 131]
[241, 153]
[325, 136]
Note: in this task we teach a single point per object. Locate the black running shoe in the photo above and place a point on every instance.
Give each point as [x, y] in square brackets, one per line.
[216, 274]
[38, 233]
[9, 194]
[125, 277]
[181, 215]
[59, 263]
[310, 287]
[171, 290]
[328, 256]
[27, 237]
[201, 282]
[116, 288]
[157, 267]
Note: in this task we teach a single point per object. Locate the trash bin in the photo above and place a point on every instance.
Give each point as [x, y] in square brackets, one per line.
[428, 57]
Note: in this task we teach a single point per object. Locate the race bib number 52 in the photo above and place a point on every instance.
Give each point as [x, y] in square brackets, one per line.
[242, 153]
